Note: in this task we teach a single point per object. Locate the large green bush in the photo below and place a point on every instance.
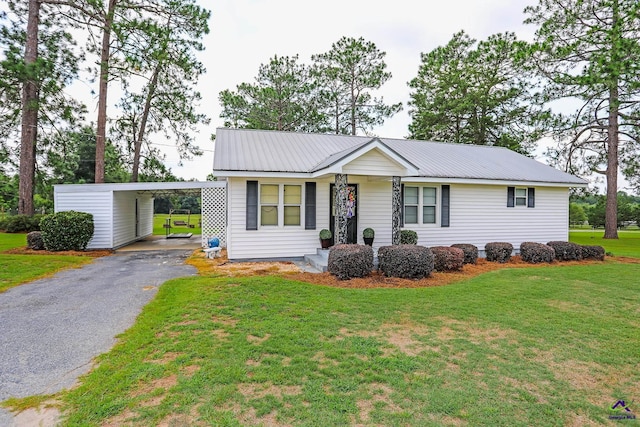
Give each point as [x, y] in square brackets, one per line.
[67, 231]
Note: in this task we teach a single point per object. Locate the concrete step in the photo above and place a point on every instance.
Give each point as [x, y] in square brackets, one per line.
[324, 253]
[318, 261]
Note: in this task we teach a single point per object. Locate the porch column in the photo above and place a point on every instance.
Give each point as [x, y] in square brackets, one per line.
[340, 204]
[396, 210]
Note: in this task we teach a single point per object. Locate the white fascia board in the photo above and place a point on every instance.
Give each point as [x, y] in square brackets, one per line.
[492, 182]
[136, 186]
[258, 174]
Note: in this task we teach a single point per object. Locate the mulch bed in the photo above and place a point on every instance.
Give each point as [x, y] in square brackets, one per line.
[26, 251]
[220, 266]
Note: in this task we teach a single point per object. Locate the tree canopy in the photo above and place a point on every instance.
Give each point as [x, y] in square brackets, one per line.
[476, 93]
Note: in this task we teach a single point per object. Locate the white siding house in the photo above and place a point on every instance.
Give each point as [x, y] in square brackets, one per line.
[280, 192]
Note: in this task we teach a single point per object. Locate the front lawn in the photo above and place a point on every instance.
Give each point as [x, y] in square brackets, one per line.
[628, 243]
[18, 269]
[543, 346]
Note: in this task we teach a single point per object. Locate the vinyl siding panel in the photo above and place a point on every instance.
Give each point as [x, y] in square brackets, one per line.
[124, 217]
[145, 209]
[479, 214]
[373, 163]
[97, 203]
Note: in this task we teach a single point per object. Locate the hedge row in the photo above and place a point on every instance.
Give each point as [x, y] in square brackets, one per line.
[20, 223]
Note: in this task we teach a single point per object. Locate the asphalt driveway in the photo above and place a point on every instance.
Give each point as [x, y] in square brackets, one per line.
[51, 329]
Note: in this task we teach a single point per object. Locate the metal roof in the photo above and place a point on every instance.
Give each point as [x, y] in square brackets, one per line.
[247, 150]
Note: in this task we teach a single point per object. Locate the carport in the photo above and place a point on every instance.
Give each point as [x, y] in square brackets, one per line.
[123, 213]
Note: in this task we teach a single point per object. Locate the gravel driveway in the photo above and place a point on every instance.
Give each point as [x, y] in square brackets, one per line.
[51, 329]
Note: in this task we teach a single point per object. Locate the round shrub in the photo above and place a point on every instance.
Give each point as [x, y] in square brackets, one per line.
[408, 237]
[34, 241]
[566, 251]
[470, 252]
[534, 253]
[67, 231]
[593, 252]
[405, 261]
[447, 259]
[349, 261]
[498, 251]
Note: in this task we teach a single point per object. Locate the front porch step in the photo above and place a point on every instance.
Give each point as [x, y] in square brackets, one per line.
[319, 260]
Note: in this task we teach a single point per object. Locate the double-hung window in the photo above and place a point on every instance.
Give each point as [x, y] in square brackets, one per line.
[521, 197]
[292, 202]
[420, 199]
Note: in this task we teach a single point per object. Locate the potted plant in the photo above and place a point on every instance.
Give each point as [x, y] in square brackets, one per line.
[368, 234]
[325, 238]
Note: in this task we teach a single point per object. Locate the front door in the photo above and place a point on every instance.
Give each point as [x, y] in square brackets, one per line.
[352, 213]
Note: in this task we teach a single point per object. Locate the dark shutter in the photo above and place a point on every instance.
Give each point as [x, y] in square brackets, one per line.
[309, 205]
[444, 219]
[252, 205]
[511, 197]
[531, 197]
[401, 205]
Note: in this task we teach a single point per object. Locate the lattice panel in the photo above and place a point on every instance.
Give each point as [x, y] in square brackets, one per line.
[214, 215]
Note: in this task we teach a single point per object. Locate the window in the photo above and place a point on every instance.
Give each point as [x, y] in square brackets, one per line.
[276, 198]
[292, 202]
[269, 198]
[521, 197]
[413, 202]
[429, 205]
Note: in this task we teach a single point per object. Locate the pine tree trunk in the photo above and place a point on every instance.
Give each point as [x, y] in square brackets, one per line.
[611, 210]
[101, 133]
[29, 114]
[143, 122]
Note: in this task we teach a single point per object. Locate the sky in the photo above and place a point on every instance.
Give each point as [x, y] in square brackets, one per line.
[247, 33]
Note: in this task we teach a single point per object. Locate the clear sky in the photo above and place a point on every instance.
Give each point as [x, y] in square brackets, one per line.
[247, 33]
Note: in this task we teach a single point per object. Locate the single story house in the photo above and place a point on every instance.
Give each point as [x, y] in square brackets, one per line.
[284, 187]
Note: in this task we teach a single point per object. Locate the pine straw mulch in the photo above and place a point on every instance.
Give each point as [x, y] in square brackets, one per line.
[222, 267]
[90, 253]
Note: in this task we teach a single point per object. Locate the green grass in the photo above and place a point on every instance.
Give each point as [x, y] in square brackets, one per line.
[627, 244]
[531, 346]
[18, 269]
[12, 241]
[160, 219]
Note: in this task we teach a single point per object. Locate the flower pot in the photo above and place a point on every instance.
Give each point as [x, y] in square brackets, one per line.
[368, 241]
[325, 243]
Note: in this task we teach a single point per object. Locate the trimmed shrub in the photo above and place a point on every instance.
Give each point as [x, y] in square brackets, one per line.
[498, 251]
[34, 241]
[349, 261]
[535, 253]
[21, 223]
[405, 261]
[566, 251]
[447, 259]
[593, 252]
[408, 237]
[470, 252]
[67, 231]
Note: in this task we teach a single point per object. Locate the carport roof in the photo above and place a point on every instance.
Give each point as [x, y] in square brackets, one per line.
[141, 187]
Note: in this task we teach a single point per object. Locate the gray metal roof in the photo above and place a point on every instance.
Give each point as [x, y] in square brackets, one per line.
[290, 152]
